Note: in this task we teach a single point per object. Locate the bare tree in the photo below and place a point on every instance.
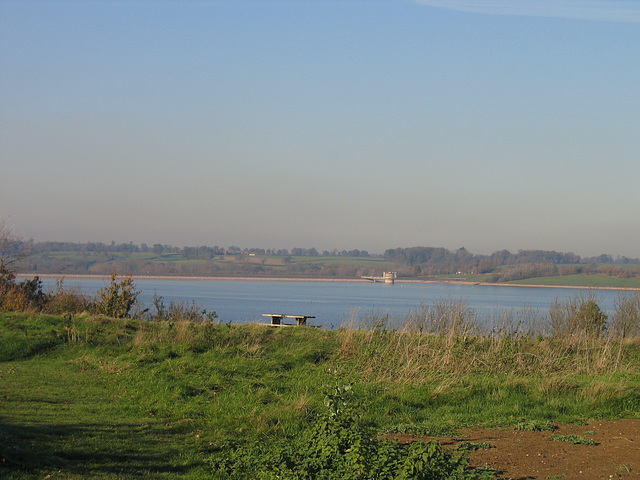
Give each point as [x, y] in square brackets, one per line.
[12, 248]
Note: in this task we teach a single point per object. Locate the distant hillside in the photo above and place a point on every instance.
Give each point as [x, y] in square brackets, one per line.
[422, 263]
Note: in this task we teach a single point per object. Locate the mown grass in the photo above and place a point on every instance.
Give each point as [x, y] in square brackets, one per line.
[120, 398]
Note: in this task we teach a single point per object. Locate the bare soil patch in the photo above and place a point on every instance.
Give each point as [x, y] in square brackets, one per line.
[525, 455]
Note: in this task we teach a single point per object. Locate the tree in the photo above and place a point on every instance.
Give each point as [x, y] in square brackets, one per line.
[579, 316]
[16, 296]
[592, 320]
[12, 248]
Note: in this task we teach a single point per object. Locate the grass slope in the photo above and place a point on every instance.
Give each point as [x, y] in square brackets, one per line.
[98, 397]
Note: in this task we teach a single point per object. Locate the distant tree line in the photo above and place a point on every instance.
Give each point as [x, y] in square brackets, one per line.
[199, 253]
[502, 265]
[524, 264]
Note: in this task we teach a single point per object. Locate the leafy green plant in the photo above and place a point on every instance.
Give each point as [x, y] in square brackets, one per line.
[473, 446]
[427, 429]
[574, 439]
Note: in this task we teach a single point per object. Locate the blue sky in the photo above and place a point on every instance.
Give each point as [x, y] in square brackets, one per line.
[326, 123]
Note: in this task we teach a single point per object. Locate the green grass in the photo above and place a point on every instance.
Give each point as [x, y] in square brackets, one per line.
[583, 280]
[96, 397]
[576, 280]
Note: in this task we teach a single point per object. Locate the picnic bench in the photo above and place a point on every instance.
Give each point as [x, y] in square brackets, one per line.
[277, 318]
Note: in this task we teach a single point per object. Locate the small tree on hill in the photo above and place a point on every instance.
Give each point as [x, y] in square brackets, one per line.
[577, 316]
[118, 298]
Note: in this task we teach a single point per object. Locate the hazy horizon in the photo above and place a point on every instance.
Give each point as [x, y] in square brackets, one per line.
[339, 124]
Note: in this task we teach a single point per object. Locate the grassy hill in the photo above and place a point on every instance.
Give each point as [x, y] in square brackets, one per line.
[148, 263]
[96, 397]
[182, 263]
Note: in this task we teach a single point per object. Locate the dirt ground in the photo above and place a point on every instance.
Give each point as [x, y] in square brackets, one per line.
[524, 455]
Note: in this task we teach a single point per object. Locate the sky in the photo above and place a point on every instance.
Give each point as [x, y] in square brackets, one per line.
[347, 124]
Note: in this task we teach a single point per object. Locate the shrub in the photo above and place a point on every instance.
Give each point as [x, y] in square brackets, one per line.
[579, 315]
[20, 296]
[64, 301]
[626, 317]
[180, 311]
[118, 298]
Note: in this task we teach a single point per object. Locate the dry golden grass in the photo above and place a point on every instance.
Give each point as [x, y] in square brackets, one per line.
[408, 356]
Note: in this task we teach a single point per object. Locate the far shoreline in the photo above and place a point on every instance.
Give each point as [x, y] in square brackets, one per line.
[319, 279]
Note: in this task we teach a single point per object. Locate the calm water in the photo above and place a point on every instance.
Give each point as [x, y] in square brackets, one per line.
[332, 303]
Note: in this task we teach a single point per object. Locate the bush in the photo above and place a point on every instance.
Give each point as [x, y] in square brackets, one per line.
[577, 316]
[118, 298]
[20, 296]
[626, 317]
[64, 301]
[180, 311]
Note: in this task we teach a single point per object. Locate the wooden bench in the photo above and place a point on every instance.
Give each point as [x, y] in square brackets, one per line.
[277, 318]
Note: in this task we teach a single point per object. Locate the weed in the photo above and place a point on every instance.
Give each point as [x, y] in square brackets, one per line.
[574, 439]
[425, 429]
[179, 311]
[473, 446]
[535, 425]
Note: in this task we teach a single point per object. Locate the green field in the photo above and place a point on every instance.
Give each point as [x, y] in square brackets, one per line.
[94, 397]
[577, 280]
[582, 280]
[148, 263]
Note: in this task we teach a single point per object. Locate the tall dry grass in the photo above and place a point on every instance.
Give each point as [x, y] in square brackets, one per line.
[448, 339]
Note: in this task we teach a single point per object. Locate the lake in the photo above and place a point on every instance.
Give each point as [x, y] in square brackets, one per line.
[333, 303]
